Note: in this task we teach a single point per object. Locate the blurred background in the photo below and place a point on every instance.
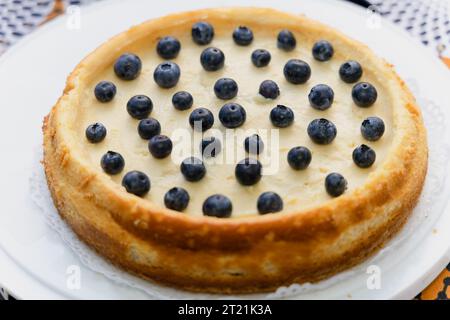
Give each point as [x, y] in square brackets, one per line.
[426, 20]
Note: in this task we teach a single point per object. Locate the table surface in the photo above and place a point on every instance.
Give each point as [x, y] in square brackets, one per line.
[427, 20]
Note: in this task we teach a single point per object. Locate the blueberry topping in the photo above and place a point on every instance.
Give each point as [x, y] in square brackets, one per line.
[335, 184]
[269, 202]
[128, 66]
[269, 89]
[193, 169]
[350, 71]
[261, 58]
[217, 206]
[372, 128]
[182, 100]
[232, 115]
[176, 199]
[243, 36]
[139, 107]
[212, 59]
[168, 47]
[201, 119]
[248, 171]
[136, 182]
[210, 147]
[297, 71]
[225, 88]
[105, 91]
[160, 146]
[202, 33]
[364, 94]
[321, 97]
[112, 162]
[322, 131]
[95, 133]
[364, 156]
[167, 74]
[281, 116]
[254, 144]
[299, 158]
[322, 50]
[286, 40]
[148, 128]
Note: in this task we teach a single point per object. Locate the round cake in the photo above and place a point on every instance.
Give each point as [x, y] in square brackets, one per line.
[234, 150]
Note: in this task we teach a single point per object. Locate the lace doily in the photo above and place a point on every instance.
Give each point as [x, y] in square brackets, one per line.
[439, 155]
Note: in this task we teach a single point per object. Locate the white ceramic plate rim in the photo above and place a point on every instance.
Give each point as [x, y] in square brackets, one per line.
[25, 285]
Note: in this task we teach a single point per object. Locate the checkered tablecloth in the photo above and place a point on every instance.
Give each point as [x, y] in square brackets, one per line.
[427, 20]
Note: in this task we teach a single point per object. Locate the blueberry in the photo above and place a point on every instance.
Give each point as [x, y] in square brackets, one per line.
[201, 119]
[350, 71]
[176, 199]
[136, 182]
[254, 144]
[232, 115]
[261, 58]
[139, 107]
[364, 94]
[168, 47]
[372, 128]
[269, 89]
[193, 169]
[297, 71]
[182, 100]
[128, 66]
[95, 133]
[112, 162]
[148, 128]
[160, 146]
[212, 59]
[321, 97]
[281, 116]
[335, 184]
[299, 158]
[248, 171]
[286, 40]
[202, 33]
[269, 202]
[322, 131]
[167, 74]
[322, 50]
[225, 88]
[364, 156]
[105, 91]
[210, 147]
[243, 36]
[217, 206]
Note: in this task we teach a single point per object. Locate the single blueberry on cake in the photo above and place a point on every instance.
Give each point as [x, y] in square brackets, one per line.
[96, 132]
[105, 91]
[212, 59]
[112, 162]
[168, 47]
[176, 199]
[128, 66]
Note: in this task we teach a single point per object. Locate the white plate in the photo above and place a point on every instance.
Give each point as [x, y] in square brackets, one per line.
[34, 260]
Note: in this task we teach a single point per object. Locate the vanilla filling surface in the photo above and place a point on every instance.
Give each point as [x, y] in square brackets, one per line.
[298, 189]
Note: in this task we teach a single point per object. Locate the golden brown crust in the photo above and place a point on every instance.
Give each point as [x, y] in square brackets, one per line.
[243, 254]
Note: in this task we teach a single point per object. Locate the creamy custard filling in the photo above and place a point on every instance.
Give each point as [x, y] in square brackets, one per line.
[298, 189]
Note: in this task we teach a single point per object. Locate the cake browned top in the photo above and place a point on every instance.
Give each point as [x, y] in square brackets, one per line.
[157, 49]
